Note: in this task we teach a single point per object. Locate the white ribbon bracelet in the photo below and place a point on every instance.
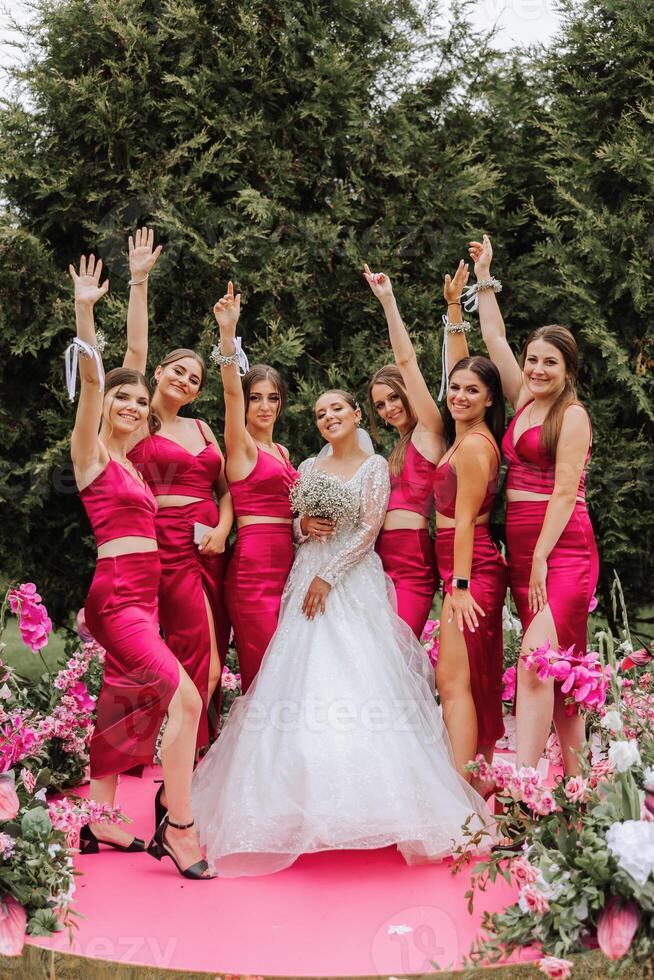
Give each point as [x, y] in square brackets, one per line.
[71, 359]
[239, 357]
[448, 328]
[470, 294]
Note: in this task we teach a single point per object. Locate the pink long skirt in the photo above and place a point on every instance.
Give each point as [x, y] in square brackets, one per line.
[488, 579]
[187, 576]
[141, 673]
[408, 558]
[572, 568]
[256, 575]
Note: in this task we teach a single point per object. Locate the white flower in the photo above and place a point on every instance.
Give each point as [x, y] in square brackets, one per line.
[40, 795]
[5, 692]
[399, 930]
[509, 622]
[648, 779]
[632, 843]
[624, 754]
[53, 849]
[612, 720]
[626, 647]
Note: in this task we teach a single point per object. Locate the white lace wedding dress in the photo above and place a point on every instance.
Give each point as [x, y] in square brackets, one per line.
[339, 742]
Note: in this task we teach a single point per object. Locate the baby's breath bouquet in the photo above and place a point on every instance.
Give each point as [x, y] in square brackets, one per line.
[320, 494]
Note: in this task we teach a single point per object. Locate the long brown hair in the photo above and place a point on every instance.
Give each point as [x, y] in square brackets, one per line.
[391, 375]
[178, 354]
[120, 376]
[561, 338]
[264, 372]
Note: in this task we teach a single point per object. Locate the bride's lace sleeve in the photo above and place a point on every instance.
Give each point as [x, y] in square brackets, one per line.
[305, 466]
[375, 491]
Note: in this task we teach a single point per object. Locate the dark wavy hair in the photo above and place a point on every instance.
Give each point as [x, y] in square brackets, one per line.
[120, 376]
[490, 377]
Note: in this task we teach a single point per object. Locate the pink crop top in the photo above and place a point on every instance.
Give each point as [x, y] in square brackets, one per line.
[264, 491]
[413, 489]
[119, 505]
[168, 468]
[445, 486]
[530, 466]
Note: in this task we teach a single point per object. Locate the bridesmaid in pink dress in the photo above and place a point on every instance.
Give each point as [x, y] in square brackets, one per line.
[183, 466]
[399, 395]
[142, 680]
[260, 476]
[553, 561]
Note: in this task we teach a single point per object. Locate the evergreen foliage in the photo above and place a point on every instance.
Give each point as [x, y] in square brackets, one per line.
[281, 145]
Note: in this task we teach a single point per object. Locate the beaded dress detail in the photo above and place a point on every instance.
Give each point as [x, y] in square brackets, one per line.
[339, 742]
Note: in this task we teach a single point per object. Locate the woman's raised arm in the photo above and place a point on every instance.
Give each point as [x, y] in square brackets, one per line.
[239, 444]
[492, 327]
[142, 257]
[86, 449]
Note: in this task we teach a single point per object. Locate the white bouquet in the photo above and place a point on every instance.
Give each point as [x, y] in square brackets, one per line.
[320, 494]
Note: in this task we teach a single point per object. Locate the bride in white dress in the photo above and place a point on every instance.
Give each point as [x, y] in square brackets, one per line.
[339, 742]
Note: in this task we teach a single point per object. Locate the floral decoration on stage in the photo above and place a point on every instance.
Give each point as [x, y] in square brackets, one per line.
[581, 852]
[45, 729]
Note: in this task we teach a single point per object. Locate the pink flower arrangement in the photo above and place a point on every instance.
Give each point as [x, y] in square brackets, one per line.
[13, 922]
[555, 968]
[34, 623]
[533, 901]
[509, 683]
[523, 785]
[70, 814]
[230, 682]
[430, 641]
[582, 676]
[616, 927]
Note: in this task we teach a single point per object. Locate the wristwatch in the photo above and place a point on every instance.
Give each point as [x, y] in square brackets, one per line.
[460, 583]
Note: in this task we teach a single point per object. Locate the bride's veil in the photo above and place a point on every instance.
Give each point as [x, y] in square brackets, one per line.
[365, 443]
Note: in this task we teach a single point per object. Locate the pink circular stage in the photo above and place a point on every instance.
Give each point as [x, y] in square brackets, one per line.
[345, 913]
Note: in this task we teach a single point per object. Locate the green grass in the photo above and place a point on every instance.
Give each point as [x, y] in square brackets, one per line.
[29, 664]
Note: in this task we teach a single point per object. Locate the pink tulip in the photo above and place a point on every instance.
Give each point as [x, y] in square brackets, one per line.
[9, 804]
[617, 926]
[13, 921]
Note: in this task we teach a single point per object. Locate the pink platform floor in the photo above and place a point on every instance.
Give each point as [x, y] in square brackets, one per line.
[346, 913]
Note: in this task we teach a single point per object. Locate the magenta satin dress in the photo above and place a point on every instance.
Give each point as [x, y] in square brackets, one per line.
[261, 561]
[573, 563]
[141, 673]
[187, 575]
[488, 581]
[407, 554]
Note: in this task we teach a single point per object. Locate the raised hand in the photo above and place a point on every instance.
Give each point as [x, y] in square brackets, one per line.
[142, 256]
[379, 283]
[481, 254]
[227, 311]
[87, 284]
[453, 287]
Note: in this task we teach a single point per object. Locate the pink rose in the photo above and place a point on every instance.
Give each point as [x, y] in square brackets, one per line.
[545, 805]
[554, 968]
[13, 921]
[576, 788]
[532, 900]
[9, 804]
[523, 872]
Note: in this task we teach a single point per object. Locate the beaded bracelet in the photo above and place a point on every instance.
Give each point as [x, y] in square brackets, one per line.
[471, 293]
[239, 357]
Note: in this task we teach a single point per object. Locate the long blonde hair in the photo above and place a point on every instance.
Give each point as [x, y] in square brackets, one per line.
[391, 376]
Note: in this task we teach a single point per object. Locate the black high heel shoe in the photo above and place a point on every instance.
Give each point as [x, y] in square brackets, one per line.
[90, 844]
[160, 810]
[158, 848]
